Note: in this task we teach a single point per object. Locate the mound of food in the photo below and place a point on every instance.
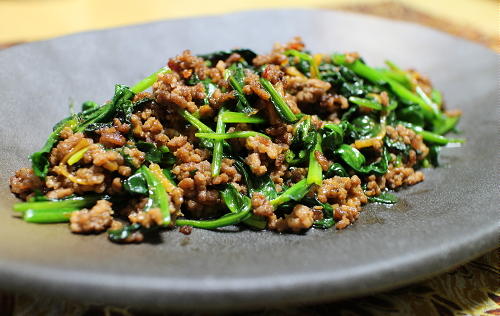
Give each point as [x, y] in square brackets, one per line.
[284, 141]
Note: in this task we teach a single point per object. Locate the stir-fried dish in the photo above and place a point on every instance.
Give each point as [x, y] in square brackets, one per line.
[285, 141]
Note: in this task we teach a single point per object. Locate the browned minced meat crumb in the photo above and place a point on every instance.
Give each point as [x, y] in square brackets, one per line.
[60, 193]
[351, 57]
[419, 149]
[172, 92]
[332, 103]
[281, 133]
[196, 181]
[186, 65]
[261, 205]
[296, 174]
[394, 178]
[184, 151]
[24, 182]
[111, 137]
[322, 160]
[301, 218]
[273, 73]
[263, 145]
[97, 219]
[307, 91]
[136, 156]
[256, 166]
[421, 81]
[64, 147]
[346, 197]
[186, 230]
[91, 179]
[399, 176]
[147, 219]
[253, 86]
[146, 126]
[277, 57]
[375, 185]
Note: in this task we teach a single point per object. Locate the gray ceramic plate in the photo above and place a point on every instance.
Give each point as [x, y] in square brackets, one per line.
[447, 220]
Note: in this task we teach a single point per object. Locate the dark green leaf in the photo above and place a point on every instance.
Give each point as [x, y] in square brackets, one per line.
[384, 197]
[136, 184]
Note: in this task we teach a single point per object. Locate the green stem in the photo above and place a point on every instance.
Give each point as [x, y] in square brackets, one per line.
[237, 117]
[148, 81]
[74, 203]
[157, 194]
[195, 122]
[217, 153]
[366, 103]
[230, 219]
[315, 172]
[279, 102]
[296, 192]
[242, 134]
[51, 216]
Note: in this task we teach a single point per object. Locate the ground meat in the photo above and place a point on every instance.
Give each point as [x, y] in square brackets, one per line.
[273, 73]
[296, 174]
[399, 176]
[146, 126]
[346, 197]
[108, 159]
[152, 217]
[60, 193]
[186, 65]
[252, 85]
[351, 57]
[186, 230]
[277, 57]
[185, 152]
[322, 160]
[281, 133]
[24, 182]
[170, 91]
[97, 219]
[196, 182]
[261, 206]
[254, 162]
[334, 103]
[402, 134]
[307, 91]
[375, 185]
[81, 180]
[265, 146]
[64, 147]
[301, 218]
[394, 178]
[110, 137]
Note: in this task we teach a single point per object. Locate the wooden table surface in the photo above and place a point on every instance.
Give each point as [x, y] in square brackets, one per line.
[471, 289]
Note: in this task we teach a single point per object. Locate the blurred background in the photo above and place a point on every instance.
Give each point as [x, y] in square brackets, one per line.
[29, 20]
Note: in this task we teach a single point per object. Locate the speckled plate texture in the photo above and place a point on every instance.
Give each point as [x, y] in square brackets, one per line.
[447, 220]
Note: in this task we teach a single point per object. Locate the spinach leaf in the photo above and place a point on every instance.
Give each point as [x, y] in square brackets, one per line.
[40, 159]
[366, 126]
[160, 155]
[303, 142]
[247, 54]
[136, 184]
[262, 184]
[234, 200]
[235, 74]
[355, 159]
[336, 169]
[120, 235]
[384, 197]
